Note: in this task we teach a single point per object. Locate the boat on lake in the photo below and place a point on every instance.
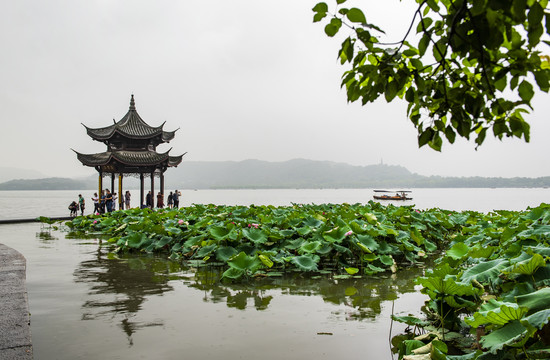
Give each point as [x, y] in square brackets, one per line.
[392, 195]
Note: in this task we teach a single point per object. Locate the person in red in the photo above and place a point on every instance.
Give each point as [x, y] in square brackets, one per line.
[160, 200]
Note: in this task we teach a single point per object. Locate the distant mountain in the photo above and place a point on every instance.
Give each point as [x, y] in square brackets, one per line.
[298, 173]
[44, 184]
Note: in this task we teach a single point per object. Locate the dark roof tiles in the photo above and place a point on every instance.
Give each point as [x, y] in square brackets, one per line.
[131, 126]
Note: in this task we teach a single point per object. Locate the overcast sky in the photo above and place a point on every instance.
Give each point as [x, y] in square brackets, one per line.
[241, 79]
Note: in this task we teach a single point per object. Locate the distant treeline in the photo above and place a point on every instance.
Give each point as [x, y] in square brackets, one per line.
[293, 174]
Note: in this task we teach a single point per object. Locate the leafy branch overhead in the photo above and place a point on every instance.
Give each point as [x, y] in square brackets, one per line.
[471, 71]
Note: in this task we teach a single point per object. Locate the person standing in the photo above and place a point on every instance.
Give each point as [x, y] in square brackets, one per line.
[149, 200]
[108, 200]
[81, 204]
[127, 199]
[95, 199]
[160, 200]
[102, 203]
[176, 199]
[170, 200]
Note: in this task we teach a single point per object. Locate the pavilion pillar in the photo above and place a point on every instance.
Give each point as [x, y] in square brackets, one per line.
[120, 198]
[141, 183]
[100, 185]
[162, 185]
[152, 189]
[112, 183]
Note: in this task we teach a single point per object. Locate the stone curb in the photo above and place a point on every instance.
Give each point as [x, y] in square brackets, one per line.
[15, 329]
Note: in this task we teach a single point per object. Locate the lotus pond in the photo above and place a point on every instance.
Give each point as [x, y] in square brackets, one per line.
[488, 288]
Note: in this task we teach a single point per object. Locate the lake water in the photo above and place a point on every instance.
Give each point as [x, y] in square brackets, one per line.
[88, 304]
[29, 204]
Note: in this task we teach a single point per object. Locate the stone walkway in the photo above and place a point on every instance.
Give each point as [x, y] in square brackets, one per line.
[15, 329]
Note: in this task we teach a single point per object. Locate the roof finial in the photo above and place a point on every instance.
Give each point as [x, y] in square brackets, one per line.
[132, 103]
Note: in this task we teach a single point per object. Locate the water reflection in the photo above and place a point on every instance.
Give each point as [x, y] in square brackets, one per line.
[119, 286]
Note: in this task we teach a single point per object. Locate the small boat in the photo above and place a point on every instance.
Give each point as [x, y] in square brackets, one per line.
[399, 195]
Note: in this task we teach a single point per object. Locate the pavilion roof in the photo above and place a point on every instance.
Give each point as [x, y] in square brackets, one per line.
[131, 126]
[129, 158]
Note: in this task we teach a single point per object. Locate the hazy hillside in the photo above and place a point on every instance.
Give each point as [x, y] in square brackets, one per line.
[298, 173]
[44, 184]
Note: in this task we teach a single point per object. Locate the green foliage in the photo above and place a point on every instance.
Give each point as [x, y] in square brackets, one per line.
[470, 71]
[492, 274]
[500, 295]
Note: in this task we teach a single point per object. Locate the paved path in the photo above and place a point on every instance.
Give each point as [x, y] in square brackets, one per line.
[15, 329]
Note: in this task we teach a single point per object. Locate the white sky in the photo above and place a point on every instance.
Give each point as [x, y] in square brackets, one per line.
[242, 79]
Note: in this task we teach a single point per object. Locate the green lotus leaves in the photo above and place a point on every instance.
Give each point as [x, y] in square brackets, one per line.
[458, 251]
[368, 242]
[527, 266]
[495, 271]
[535, 301]
[257, 236]
[136, 240]
[243, 262]
[496, 313]
[265, 260]
[162, 242]
[219, 232]
[335, 235]
[310, 247]
[509, 334]
[305, 263]
[224, 253]
[487, 271]
[410, 320]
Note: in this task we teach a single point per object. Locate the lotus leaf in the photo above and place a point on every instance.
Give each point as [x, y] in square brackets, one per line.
[527, 266]
[417, 236]
[224, 253]
[136, 240]
[257, 236]
[375, 269]
[219, 232]
[265, 260]
[386, 260]
[539, 319]
[310, 247]
[458, 251]
[410, 320]
[448, 285]
[351, 270]
[535, 301]
[305, 230]
[335, 235]
[312, 222]
[206, 250]
[497, 313]
[410, 345]
[368, 242]
[305, 263]
[241, 261]
[233, 273]
[485, 271]
[510, 333]
[162, 242]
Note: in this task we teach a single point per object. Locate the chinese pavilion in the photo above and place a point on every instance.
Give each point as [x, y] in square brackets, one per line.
[131, 150]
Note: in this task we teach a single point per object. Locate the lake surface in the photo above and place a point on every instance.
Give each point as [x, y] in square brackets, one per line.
[29, 204]
[88, 304]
